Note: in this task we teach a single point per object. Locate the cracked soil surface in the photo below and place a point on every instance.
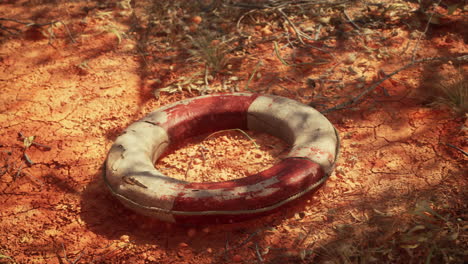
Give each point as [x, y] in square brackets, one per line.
[77, 97]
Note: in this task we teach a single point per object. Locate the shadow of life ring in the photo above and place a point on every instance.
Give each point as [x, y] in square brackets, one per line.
[131, 176]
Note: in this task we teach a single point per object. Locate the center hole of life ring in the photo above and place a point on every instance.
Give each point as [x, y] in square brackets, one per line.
[221, 156]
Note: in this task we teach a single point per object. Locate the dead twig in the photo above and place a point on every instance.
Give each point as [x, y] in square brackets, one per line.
[457, 148]
[33, 24]
[259, 63]
[298, 32]
[28, 160]
[227, 247]
[423, 33]
[4, 170]
[201, 148]
[239, 21]
[70, 261]
[317, 32]
[351, 21]
[249, 238]
[278, 7]
[45, 147]
[206, 84]
[7, 258]
[376, 84]
[27, 23]
[257, 252]
[9, 30]
[235, 129]
[301, 35]
[18, 173]
[37, 181]
[68, 31]
[6, 164]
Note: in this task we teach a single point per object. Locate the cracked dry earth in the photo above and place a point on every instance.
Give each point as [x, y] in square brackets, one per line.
[394, 153]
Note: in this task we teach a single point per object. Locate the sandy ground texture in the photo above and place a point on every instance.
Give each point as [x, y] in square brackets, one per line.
[397, 195]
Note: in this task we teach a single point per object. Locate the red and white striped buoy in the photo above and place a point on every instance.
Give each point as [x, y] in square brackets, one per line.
[133, 179]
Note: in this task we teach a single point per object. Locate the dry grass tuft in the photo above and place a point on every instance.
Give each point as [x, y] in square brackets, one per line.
[453, 93]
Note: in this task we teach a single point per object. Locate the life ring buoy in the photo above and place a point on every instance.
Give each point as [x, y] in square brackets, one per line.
[131, 176]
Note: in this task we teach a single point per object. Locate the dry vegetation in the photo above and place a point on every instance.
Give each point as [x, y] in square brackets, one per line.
[377, 68]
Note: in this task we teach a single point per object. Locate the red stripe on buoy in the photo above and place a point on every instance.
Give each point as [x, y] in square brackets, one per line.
[207, 114]
[288, 177]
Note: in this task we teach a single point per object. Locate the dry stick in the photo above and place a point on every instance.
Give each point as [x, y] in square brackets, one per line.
[37, 24]
[19, 171]
[193, 157]
[68, 32]
[205, 79]
[66, 257]
[10, 30]
[203, 154]
[351, 21]
[299, 33]
[317, 32]
[35, 180]
[235, 129]
[28, 160]
[257, 251]
[3, 172]
[35, 143]
[227, 248]
[188, 167]
[239, 21]
[424, 33]
[457, 148]
[376, 84]
[249, 238]
[28, 23]
[253, 75]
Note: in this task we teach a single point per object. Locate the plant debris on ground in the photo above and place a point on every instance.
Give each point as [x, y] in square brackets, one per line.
[390, 75]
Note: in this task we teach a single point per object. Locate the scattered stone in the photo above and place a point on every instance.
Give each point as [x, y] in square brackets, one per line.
[197, 19]
[324, 20]
[350, 59]
[125, 238]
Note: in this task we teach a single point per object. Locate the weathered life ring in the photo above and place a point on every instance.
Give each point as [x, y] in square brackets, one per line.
[133, 179]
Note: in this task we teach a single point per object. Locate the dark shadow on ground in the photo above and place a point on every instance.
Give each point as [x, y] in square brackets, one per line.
[375, 236]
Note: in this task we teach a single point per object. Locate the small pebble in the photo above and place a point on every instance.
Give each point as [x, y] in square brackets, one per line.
[125, 238]
[197, 19]
[266, 31]
[350, 59]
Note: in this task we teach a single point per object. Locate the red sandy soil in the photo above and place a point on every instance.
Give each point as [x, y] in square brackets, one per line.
[76, 92]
